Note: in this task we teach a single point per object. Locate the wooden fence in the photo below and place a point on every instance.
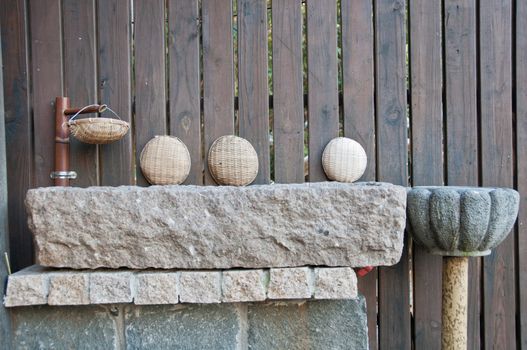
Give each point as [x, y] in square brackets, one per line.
[436, 92]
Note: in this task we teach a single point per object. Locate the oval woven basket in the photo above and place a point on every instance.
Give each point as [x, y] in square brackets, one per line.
[344, 160]
[165, 160]
[233, 161]
[98, 130]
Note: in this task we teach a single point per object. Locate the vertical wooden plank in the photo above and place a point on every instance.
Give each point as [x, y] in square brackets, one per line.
[5, 324]
[253, 92]
[114, 84]
[218, 73]
[359, 114]
[427, 158]
[80, 74]
[288, 102]
[392, 158]
[521, 161]
[461, 124]
[323, 109]
[150, 98]
[496, 165]
[19, 157]
[184, 81]
[46, 72]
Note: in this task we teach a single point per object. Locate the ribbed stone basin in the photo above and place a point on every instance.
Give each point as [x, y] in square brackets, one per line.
[461, 221]
[218, 227]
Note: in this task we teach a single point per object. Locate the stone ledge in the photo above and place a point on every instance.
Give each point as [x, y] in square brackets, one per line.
[218, 227]
[38, 285]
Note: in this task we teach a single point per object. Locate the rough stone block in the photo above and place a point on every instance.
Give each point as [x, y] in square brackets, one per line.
[27, 287]
[200, 287]
[69, 289]
[220, 227]
[51, 327]
[111, 287]
[335, 283]
[156, 288]
[312, 325]
[243, 285]
[182, 327]
[291, 283]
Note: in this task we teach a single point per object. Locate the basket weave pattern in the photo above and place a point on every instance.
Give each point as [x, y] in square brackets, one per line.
[232, 161]
[165, 160]
[98, 130]
[344, 160]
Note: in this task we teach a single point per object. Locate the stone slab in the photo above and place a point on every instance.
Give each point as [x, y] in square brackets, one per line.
[335, 283]
[309, 325]
[293, 283]
[244, 285]
[111, 287]
[37, 286]
[218, 227]
[68, 327]
[154, 288]
[182, 327]
[27, 287]
[200, 287]
[69, 289]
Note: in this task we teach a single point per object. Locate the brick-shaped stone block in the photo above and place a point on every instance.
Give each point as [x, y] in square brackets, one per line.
[111, 287]
[290, 283]
[156, 288]
[183, 327]
[27, 287]
[311, 325]
[68, 327]
[243, 285]
[200, 287]
[69, 289]
[335, 283]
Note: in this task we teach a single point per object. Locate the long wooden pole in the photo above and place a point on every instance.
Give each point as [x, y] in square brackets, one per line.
[62, 141]
[455, 303]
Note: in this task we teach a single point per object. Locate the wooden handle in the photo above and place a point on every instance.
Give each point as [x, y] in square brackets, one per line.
[455, 302]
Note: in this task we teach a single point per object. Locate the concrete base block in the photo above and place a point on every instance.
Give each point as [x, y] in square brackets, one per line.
[274, 325]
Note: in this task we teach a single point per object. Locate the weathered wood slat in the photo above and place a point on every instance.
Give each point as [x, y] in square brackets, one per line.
[184, 81]
[19, 155]
[391, 137]
[496, 165]
[114, 87]
[323, 109]
[461, 124]
[288, 100]
[521, 162]
[5, 322]
[150, 95]
[218, 73]
[359, 114]
[46, 72]
[427, 158]
[80, 85]
[253, 113]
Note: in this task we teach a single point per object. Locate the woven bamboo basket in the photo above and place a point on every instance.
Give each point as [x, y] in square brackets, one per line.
[344, 160]
[233, 161]
[98, 131]
[165, 160]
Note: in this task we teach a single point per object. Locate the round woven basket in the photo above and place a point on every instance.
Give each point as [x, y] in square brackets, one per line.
[344, 160]
[233, 161]
[98, 130]
[165, 160]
